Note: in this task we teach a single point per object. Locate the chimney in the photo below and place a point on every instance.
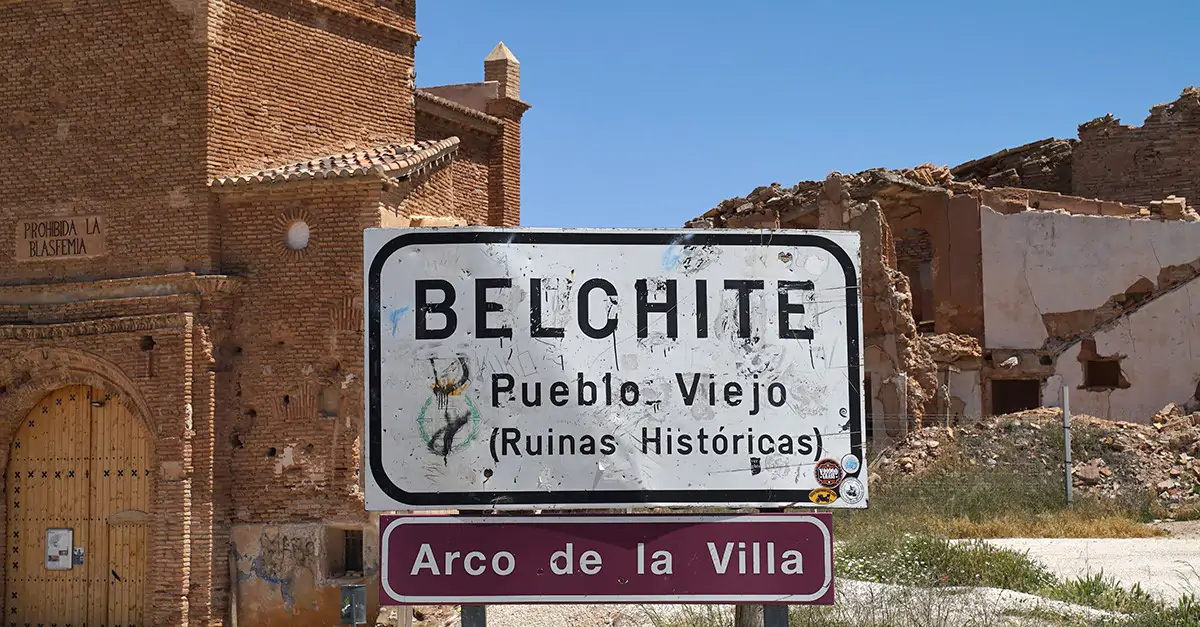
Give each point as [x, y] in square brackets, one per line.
[502, 66]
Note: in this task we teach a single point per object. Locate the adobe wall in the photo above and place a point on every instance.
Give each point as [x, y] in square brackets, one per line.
[1137, 164]
[1159, 346]
[1123, 278]
[290, 80]
[1029, 257]
[102, 113]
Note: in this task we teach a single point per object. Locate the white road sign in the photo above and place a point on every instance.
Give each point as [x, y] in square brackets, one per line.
[528, 368]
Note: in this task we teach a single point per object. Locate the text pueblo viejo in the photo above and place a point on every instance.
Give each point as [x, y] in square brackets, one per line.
[436, 318]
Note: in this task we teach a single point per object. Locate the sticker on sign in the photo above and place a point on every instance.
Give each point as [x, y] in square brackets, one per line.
[532, 368]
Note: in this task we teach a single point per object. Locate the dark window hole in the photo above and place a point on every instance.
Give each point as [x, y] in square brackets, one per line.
[147, 343]
[1046, 360]
[1102, 374]
[271, 452]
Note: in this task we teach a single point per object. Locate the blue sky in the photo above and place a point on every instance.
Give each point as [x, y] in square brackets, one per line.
[649, 112]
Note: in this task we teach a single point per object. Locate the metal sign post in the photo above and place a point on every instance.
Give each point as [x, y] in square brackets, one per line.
[775, 616]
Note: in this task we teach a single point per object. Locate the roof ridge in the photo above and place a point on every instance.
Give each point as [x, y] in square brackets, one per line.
[461, 108]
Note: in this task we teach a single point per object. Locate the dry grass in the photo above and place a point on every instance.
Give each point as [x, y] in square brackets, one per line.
[1067, 523]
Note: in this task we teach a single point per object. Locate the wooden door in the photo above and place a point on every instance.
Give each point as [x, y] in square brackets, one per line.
[78, 461]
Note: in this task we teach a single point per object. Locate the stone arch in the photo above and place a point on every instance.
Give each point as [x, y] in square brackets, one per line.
[34, 373]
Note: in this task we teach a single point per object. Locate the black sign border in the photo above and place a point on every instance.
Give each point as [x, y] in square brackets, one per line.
[598, 498]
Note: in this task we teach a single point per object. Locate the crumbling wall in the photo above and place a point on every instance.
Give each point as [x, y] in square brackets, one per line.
[1158, 348]
[957, 359]
[1015, 200]
[1138, 164]
[1044, 165]
[1063, 290]
[903, 380]
[282, 578]
[1053, 276]
[900, 368]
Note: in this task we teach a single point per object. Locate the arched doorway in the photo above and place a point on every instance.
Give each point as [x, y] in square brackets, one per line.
[78, 493]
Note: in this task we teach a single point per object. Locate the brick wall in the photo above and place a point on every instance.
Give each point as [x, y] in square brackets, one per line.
[913, 250]
[434, 195]
[1137, 164]
[108, 354]
[504, 173]
[102, 112]
[470, 167]
[290, 81]
[399, 14]
[297, 331]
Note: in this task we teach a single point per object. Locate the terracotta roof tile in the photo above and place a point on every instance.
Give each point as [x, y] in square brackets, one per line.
[391, 161]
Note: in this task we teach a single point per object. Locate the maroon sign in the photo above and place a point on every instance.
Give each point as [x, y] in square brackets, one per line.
[765, 558]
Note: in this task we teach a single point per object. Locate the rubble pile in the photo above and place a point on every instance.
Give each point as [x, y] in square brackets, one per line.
[1120, 461]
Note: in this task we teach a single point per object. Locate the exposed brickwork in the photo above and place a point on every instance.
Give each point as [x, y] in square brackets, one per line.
[289, 81]
[913, 250]
[504, 169]
[1138, 164]
[435, 196]
[289, 464]
[470, 168]
[102, 112]
[130, 110]
[1044, 165]
[1110, 160]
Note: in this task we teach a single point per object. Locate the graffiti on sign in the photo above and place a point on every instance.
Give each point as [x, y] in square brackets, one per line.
[525, 367]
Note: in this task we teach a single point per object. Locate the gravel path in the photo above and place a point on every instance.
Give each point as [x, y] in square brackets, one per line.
[1168, 567]
[858, 602]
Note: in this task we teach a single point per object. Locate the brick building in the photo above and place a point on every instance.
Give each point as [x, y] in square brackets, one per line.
[992, 286]
[185, 187]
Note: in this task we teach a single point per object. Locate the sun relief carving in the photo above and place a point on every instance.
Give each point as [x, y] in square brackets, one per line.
[294, 233]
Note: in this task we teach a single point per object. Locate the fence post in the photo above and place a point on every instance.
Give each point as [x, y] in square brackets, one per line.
[1067, 439]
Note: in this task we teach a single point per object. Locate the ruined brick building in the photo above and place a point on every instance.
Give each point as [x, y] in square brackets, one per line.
[185, 186]
[992, 286]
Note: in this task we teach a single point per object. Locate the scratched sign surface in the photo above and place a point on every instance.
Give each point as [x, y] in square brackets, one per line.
[524, 368]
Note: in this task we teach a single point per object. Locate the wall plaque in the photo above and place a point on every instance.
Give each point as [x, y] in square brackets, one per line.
[69, 237]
